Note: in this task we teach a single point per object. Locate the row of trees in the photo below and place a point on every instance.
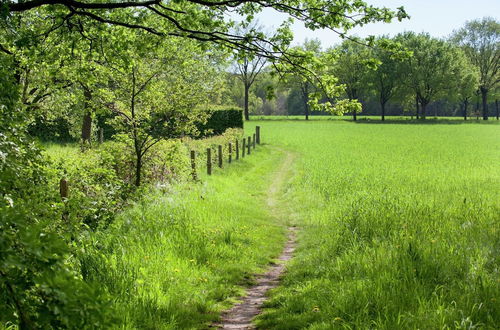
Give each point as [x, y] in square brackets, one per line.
[409, 71]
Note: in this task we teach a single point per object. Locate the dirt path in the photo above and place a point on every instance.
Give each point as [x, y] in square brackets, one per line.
[242, 314]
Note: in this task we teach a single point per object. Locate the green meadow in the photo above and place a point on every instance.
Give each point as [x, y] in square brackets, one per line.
[400, 226]
[179, 257]
[170, 164]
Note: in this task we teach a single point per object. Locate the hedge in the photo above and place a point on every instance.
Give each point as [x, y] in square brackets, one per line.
[220, 120]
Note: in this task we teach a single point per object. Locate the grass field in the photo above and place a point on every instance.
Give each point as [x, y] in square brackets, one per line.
[400, 226]
[180, 257]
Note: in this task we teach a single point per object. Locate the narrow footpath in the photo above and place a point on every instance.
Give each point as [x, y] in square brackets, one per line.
[240, 316]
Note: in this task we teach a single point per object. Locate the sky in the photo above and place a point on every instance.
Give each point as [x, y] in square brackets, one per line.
[438, 17]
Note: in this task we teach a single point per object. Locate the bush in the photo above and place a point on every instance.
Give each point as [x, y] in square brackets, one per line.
[51, 130]
[220, 120]
[101, 180]
[39, 283]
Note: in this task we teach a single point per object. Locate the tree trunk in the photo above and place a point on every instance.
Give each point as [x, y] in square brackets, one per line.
[416, 107]
[496, 105]
[305, 96]
[138, 169]
[247, 90]
[352, 94]
[477, 107]
[424, 108]
[87, 117]
[382, 104]
[354, 114]
[466, 104]
[484, 96]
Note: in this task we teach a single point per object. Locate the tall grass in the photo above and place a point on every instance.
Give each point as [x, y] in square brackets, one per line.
[400, 226]
[179, 257]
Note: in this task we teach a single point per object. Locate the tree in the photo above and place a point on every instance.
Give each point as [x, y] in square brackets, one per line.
[433, 69]
[480, 40]
[311, 49]
[204, 20]
[57, 70]
[467, 84]
[317, 69]
[200, 20]
[153, 95]
[352, 68]
[160, 90]
[249, 66]
[385, 79]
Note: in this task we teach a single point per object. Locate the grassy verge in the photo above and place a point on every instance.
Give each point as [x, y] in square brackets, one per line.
[400, 227]
[177, 259]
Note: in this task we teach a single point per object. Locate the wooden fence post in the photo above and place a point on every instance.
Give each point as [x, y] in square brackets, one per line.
[243, 148]
[193, 165]
[63, 188]
[249, 144]
[101, 135]
[253, 142]
[257, 132]
[230, 153]
[237, 149]
[209, 161]
[220, 156]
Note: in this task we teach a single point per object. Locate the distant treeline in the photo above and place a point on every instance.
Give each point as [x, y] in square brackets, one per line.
[408, 74]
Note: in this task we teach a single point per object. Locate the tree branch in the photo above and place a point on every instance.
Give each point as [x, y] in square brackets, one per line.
[27, 5]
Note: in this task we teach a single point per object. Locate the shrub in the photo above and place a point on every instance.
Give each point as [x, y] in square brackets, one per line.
[51, 130]
[101, 180]
[220, 120]
[39, 283]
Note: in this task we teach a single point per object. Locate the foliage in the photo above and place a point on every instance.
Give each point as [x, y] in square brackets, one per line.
[39, 282]
[480, 39]
[73, 60]
[101, 180]
[158, 90]
[207, 21]
[434, 69]
[352, 66]
[297, 80]
[220, 120]
[58, 130]
[311, 69]
[385, 79]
